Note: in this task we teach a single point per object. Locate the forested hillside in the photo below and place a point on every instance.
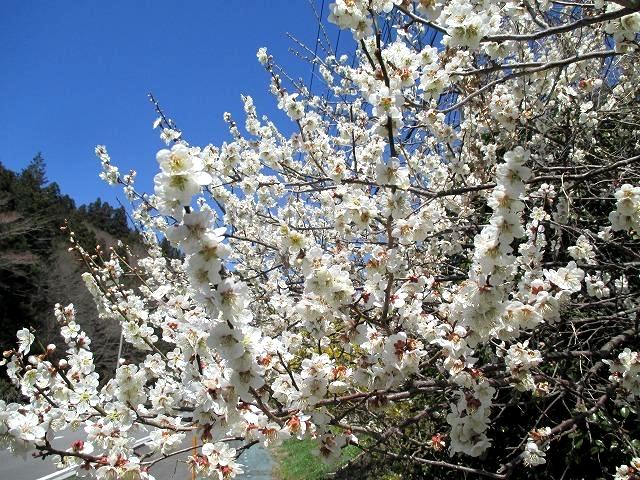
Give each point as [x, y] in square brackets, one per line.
[37, 270]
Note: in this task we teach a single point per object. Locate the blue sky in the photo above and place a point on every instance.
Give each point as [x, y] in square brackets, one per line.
[74, 74]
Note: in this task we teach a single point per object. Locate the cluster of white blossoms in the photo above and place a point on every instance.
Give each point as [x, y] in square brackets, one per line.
[217, 460]
[626, 216]
[483, 299]
[520, 360]
[582, 250]
[625, 28]
[110, 173]
[625, 372]
[355, 15]
[181, 177]
[534, 450]
[628, 472]
[293, 108]
[386, 269]
[466, 24]
[469, 419]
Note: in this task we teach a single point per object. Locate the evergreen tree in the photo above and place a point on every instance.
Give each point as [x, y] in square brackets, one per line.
[32, 212]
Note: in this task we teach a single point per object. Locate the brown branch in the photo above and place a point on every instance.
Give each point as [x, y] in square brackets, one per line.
[586, 175]
[583, 22]
[546, 66]
[421, 20]
[440, 463]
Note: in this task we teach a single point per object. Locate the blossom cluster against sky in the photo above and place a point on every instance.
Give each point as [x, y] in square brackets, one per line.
[77, 74]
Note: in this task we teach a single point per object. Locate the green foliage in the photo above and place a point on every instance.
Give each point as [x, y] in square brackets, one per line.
[169, 251]
[8, 392]
[28, 208]
[32, 212]
[105, 217]
[296, 460]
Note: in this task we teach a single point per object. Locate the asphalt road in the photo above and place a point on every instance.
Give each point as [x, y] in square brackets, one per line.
[28, 468]
[15, 468]
[257, 464]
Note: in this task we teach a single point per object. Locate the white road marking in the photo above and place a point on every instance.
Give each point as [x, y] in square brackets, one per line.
[60, 474]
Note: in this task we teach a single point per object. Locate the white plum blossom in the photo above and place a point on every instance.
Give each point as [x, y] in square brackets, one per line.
[262, 55]
[25, 339]
[626, 216]
[566, 278]
[582, 250]
[628, 472]
[625, 371]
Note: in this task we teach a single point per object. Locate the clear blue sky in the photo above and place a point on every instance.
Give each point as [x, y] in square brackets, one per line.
[74, 74]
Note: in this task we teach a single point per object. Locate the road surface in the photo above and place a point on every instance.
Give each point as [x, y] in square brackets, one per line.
[257, 464]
